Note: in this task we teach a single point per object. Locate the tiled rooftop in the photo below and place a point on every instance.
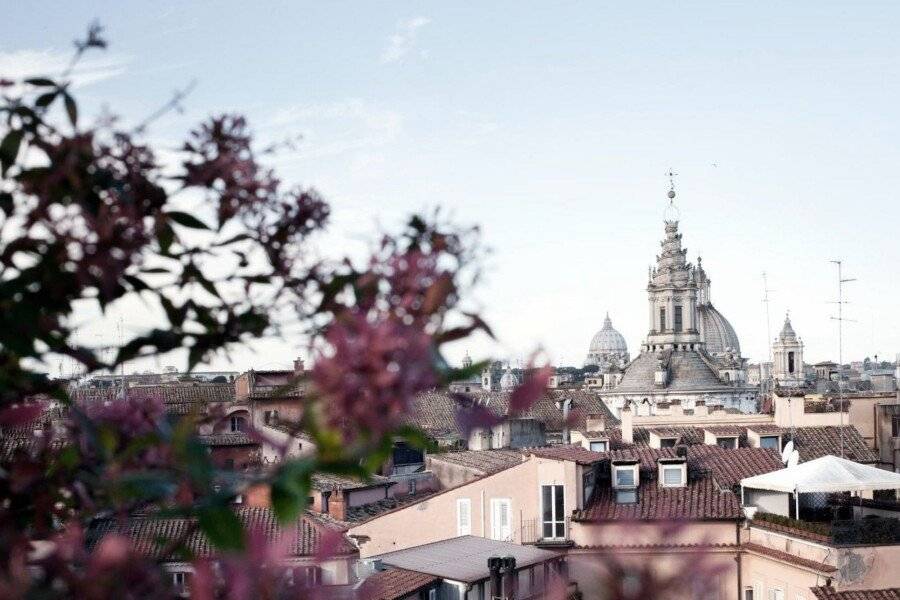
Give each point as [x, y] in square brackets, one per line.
[573, 453]
[435, 412]
[829, 593]
[482, 462]
[700, 499]
[329, 481]
[729, 466]
[227, 439]
[392, 584]
[789, 558]
[150, 535]
[361, 514]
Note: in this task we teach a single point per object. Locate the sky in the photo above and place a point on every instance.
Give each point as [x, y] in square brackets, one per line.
[551, 127]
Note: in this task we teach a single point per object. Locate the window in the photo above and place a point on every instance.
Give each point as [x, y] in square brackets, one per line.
[179, 580]
[667, 442]
[432, 594]
[599, 446]
[463, 516]
[412, 486]
[587, 486]
[501, 519]
[790, 362]
[553, 512]
[662, 319]
[748, 594]
[673, 476]
[677, 319]
[625, 476]
[726, 442]
[895, 426]
[626, 496]
[238, 424]
[770, 441]
[776, 594]
[306, 576]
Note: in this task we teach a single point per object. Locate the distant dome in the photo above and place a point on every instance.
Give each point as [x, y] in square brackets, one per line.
[608, 348]
[787, 332]
[608, 340]
[509, 380]
[717, 332]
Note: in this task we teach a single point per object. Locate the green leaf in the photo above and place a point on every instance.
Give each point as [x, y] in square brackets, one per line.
[9, 149]
[41, 81]
[222, 527]
[290, 489]
[44, 100]
[186, 220]
[71, 109]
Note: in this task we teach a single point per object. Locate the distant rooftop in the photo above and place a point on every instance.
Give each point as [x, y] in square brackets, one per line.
[463, 558]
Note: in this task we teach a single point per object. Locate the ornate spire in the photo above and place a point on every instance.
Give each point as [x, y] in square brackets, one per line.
[671, 214]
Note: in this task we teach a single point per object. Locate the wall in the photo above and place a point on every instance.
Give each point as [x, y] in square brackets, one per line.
[618, 533]
[778, 503]
[790, 411]
[434, 518]
[366, 496]
[859, 567]
[677, 570]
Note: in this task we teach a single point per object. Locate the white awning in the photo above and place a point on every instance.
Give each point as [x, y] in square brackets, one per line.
[825, 474]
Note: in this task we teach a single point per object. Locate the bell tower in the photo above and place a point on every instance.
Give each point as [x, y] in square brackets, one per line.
[672, 291]
[787, 357]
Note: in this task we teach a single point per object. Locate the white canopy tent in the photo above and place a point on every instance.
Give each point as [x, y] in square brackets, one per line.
[825, 474]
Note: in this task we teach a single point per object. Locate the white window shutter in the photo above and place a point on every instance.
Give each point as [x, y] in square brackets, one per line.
[463, 516]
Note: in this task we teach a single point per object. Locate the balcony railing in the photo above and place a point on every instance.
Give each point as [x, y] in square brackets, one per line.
[531, 531]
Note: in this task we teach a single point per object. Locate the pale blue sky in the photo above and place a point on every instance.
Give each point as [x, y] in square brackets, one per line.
[552, 128]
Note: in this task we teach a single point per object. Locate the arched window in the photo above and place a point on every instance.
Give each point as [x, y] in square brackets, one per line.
[237, 424]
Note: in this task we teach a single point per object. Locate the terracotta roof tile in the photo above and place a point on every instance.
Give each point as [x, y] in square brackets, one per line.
[569, 452]
[815, 442]
[482, 462]
[392, 584]
[151, 534]
[227, 439]
[829, 593]
[700, 499]
[435, 412]
[789, 558]
[366, 512]
[329, 481]
[729, 465]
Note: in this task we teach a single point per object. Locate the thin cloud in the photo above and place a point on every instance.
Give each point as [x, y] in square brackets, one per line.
[403, 41]
[21, 64]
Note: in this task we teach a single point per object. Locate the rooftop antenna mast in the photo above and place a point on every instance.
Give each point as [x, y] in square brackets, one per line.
[840, 319]
[766, 292]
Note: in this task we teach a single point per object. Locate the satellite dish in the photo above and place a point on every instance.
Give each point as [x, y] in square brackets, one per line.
[794, 459]
[786, 453]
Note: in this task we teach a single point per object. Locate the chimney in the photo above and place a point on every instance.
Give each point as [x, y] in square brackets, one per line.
[502, 577]
[627, 425]
[337, 508]
[299, 367]
[595, 423]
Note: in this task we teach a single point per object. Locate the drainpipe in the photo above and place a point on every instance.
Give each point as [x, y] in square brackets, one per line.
[740, 584]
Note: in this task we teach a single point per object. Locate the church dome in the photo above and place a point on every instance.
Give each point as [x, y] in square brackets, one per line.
[787, 332]
[717, 332]
[509, 380]
[608, 340]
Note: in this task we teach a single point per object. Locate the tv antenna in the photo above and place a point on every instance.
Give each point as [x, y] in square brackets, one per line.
[766, 301]
[840, 319]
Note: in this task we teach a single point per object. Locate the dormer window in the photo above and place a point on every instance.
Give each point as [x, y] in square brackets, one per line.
[667, 442]
[625, 476]
[599, 446]
[625, 481]
[726, 442]
[770, 441]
